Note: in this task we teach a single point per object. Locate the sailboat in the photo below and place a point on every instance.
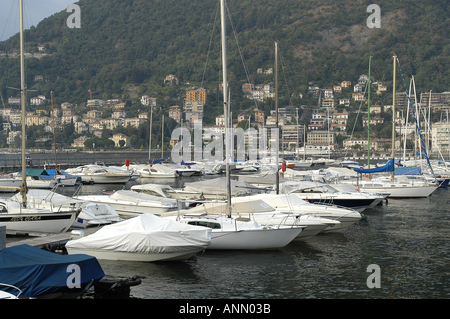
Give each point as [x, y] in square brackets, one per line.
[389, 184]
[229, 232]
[17, 217]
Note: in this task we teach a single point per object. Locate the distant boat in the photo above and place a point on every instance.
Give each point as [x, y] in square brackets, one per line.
[396, 189]
[315, 192]
[155, 171]
[35, 178]
[98, 174]
[127, 202]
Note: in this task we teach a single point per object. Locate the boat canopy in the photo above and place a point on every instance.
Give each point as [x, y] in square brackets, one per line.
[388, 167]
[39, 272]
[35, 172]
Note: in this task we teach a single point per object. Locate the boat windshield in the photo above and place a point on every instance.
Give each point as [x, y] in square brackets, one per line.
[319, 189]
[211, 225]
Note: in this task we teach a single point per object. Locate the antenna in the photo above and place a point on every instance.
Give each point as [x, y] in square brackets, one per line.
[92, 92]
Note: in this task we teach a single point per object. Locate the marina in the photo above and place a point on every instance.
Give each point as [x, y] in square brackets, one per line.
[407, 239]
[264, 231]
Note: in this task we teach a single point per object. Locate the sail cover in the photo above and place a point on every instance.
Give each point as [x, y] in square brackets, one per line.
[39, 272]
[388, 167]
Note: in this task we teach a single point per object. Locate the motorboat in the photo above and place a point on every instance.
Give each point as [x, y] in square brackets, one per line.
[95, 214]
[131, 203]
[165, 191]
[40, 274]
[21, 220]
[229, 233]
[98, 174]
[38, 178]
[315, 192]
[350, 164]
[90, 214]
[341, 217]
[134, 174]
[64, 179]
[155, 171]
[145, 238]
[185, 170]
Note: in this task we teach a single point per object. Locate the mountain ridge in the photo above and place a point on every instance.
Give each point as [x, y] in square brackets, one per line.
[137, 43]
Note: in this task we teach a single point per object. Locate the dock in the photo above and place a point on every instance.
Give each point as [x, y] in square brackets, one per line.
[50, 242]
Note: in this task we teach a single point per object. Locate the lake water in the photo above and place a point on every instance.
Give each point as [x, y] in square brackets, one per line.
[408, 239]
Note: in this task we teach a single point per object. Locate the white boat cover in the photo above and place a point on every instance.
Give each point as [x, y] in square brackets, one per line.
[145, 234]
[218, 186]
[221, 208]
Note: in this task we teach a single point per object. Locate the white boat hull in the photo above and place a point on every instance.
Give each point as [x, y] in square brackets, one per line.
[129, 256]
[254, 239]
[398, 190]
[34, 221]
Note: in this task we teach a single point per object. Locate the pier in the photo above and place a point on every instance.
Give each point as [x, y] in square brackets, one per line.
[50, 242]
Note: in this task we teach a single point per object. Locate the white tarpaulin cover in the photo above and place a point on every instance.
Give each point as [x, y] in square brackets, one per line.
[146, 233]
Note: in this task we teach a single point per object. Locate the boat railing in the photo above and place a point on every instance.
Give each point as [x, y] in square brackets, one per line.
[14, 287]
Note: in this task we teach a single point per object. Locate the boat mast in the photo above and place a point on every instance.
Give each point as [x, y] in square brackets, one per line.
[150, 135]
[368, 118]
[393, 115]
[276, 114]
[23, 187]
[54, 136]
[162, 137]
[225, 102]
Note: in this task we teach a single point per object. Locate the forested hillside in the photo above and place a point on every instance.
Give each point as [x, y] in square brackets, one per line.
[127, 47]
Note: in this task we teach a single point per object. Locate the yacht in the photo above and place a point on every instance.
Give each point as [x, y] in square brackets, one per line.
[315, 192]
[98, 174]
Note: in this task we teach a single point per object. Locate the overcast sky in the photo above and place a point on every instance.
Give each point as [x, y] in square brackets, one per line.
[34, 12]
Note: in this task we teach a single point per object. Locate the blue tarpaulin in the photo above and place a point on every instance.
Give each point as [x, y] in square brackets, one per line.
[154, 161]
[409, 170]
[388, 167]
[39, 272]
